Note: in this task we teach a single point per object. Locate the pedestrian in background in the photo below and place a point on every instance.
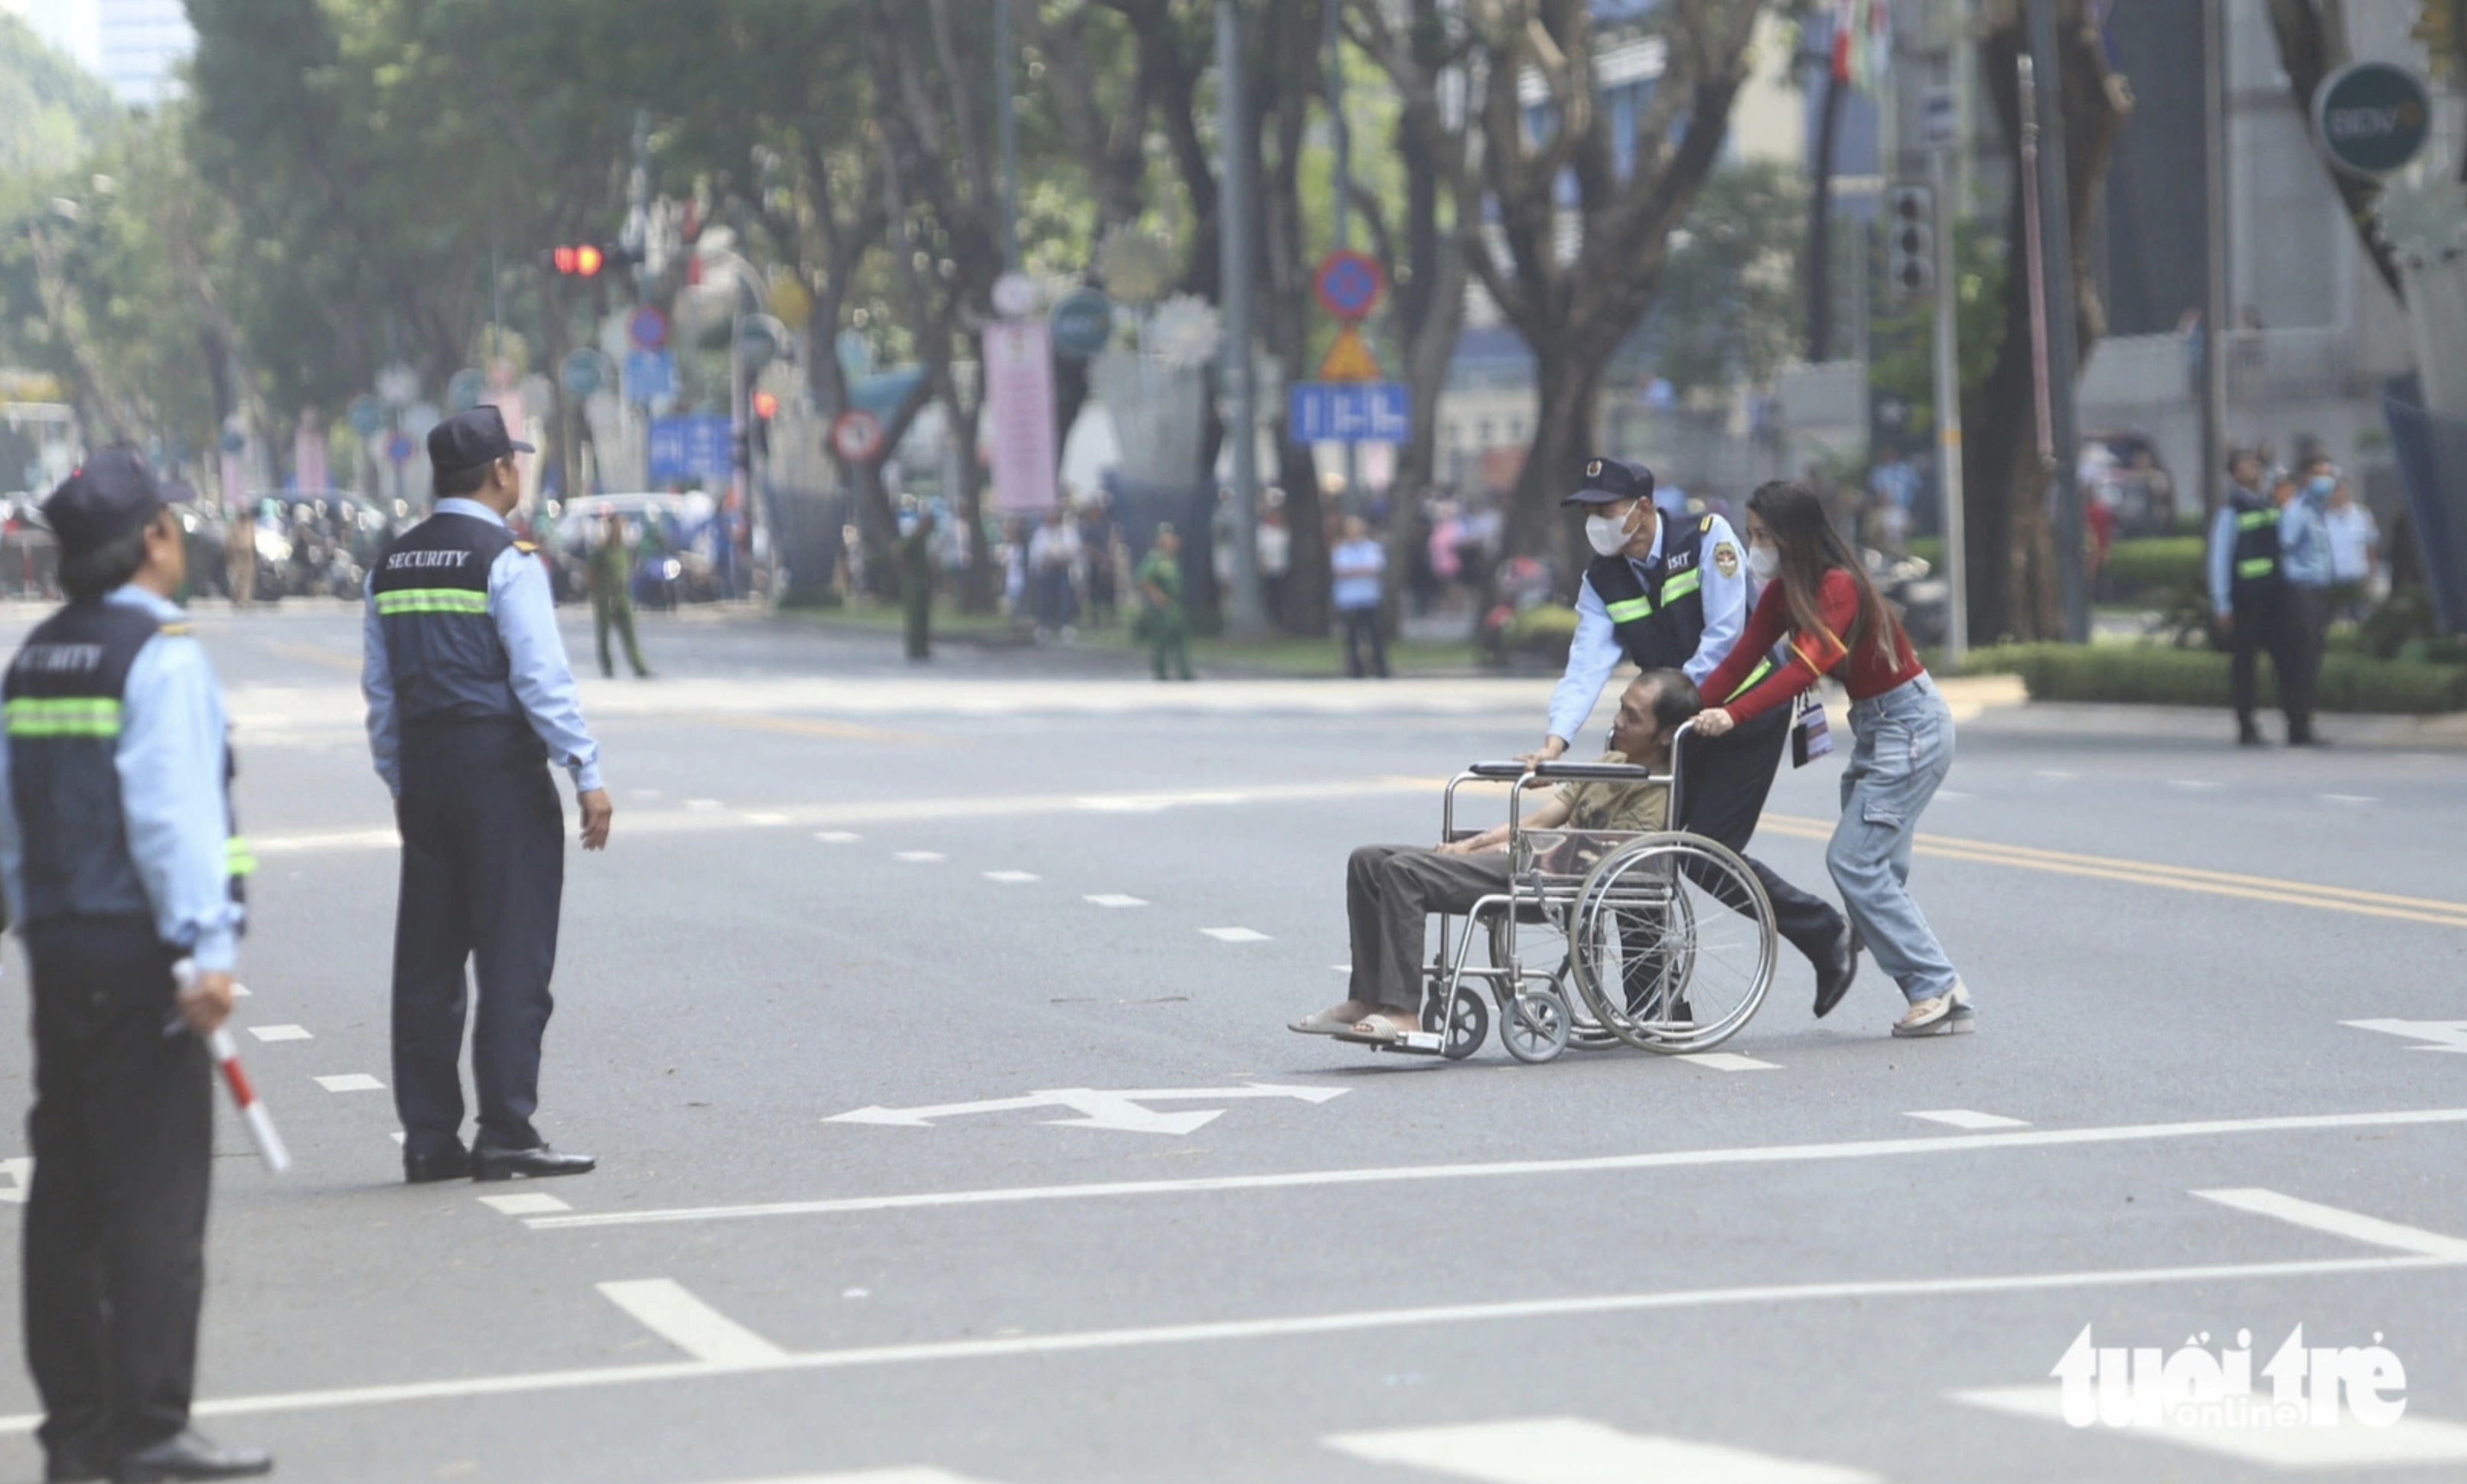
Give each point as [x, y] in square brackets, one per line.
[917, 585]
[2304, 546]
[2354, 552]
[1097, 540]
[469, 697]
[612, 604]
[1275, 560]
[1164, 624]
[1359, 569]
[2248, 595]
[239, 555]
[120, 861]
[1052, 560]
[1817, 597]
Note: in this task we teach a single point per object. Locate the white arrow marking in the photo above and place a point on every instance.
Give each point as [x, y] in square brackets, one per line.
[2437, 1035]
[20, 1175]
[1118, 1110]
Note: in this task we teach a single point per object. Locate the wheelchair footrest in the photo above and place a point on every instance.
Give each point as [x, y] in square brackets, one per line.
[1416, 1043]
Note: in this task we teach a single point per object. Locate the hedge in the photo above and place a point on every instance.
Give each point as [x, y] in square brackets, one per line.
[2149, 674]
[2143, 570]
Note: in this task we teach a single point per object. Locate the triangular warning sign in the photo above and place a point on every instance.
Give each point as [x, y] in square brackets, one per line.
[1349, 359]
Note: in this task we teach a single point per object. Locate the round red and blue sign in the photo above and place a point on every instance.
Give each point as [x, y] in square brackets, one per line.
[1349, 285]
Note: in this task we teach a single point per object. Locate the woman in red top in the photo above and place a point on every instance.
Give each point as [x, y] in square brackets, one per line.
[1816, 595]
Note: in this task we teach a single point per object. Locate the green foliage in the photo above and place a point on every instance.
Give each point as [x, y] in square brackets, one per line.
[51, 110]
[1903, 365]
[2153, 568]
[2150, 674]
[1728, 306]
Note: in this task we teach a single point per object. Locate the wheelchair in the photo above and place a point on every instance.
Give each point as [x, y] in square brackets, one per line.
[1663, 941]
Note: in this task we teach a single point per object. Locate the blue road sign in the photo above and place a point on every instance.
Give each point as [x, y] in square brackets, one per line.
[684, 448]
[646, 328]
[1365, 412]
[650, 375]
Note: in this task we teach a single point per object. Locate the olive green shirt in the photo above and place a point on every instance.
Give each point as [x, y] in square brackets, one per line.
[1642, 807]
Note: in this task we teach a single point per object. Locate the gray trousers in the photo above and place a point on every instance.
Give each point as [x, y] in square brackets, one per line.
[1390, 893]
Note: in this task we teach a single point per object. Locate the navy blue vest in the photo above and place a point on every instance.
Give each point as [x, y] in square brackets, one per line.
[431, 592]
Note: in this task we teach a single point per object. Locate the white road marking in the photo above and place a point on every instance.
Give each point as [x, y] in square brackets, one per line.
[1236, 934]
[20, 1175]
[837, 837]
[645, 793]
[2437, 1035]
[396, 1136]
[1013, 878]
[766, 819]
[2350, 799]
[1965, 1119]
[1726, 1061]
[1599, 1164]
[524, 1205]
[1155, 804]
[666, 1309]
[856, 1293]
[239, 991]
[281, 1032]
[2195, 785]
[2413, 1439]
[2354, 1226]
[919, 856]
[1084, 1341]
[1114, 899]
[1098, 1108]
[702, 803]
[1570, 1451]
[1948, 796]
[907, 1476]
[351, 1082]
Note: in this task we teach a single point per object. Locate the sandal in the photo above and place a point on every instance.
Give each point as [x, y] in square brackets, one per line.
[1948, 1014]
[1321, 1023]
[1372, 1030]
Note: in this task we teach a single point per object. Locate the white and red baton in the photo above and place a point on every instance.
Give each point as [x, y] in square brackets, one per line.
[226, 1053]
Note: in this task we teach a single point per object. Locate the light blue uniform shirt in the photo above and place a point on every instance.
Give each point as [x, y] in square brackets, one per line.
[2304, 538]
[1595, 651]
[1357, 566]
[171, 756]
[525, 613]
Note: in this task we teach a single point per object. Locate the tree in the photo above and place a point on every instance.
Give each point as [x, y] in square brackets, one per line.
[1583, 219]
[1728, 314]
[2013, 585]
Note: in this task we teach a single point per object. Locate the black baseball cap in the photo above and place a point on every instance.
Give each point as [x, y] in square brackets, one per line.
[471, 440]
[108, 496]
[1609, 481]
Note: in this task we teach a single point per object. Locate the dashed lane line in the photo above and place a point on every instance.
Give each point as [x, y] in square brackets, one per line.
[280, 1032]
[666, 1309]
[1511, 1169]
[1236, 935]
[1969, 1118]
[1726, 1061]
[1573, 1451]
[351, 1082]
[526, 1203]
[919, 857]
[837, 837]
[1114, 899]
[1013, 878]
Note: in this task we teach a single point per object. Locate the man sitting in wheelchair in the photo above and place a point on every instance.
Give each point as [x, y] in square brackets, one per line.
[1390, 890]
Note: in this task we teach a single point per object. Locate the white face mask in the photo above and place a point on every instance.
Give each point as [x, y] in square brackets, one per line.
[1763, 562]
[1608, 534]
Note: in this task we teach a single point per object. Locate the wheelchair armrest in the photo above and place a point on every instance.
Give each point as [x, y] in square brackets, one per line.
[1594, 773]
[1507, 771]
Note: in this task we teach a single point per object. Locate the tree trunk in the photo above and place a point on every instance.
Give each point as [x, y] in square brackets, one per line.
[1819, 226]
[1287, 92]
[1570, 384]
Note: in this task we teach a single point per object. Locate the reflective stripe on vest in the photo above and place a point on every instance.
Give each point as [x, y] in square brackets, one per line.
[237, 860]
[66, 716]
[1629, 609]
[2256, 567]
[432, 600]
[2255, 520]
[1680, 585]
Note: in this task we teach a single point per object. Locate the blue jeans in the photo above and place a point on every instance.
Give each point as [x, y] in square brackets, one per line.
[1904, 750]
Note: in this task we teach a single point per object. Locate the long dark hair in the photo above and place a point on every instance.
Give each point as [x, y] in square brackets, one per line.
[1810, 547]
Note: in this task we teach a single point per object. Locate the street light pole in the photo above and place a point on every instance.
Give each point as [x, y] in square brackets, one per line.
[2214, 255]
[1248, 617]
[1948, 409]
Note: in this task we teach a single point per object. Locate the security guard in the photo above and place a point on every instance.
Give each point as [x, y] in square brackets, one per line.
[2249, 593]
[469, 696]
[118, 854]
[1667, 594]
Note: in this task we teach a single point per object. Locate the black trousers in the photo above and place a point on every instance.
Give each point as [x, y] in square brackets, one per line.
[483, 879]
[2307, 622]
[1362, 636]
[1724, 784]
[123, 1137]
[2268, 621]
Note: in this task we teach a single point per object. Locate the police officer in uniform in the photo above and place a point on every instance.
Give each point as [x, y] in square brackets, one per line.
[117, 850]
[2249, 593]
[470, 699]
[1665, 592]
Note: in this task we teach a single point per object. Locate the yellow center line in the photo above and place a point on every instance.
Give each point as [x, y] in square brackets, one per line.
[2151, 873]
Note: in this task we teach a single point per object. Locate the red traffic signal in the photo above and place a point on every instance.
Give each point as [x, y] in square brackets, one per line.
[766, 405]
[582, 259]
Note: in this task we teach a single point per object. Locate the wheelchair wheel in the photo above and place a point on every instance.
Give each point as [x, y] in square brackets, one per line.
[1466, 1020]
[1534, 1026]
[1672, 944]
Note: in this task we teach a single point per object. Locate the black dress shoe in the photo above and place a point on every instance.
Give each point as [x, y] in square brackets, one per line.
[189, 1455]
[1834, 975]
[488, 1162]
[2250, 736]
[428, 1169]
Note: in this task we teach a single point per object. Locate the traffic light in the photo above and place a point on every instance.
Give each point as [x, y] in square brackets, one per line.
[765, 406]
[1910, 239]
[581, 261]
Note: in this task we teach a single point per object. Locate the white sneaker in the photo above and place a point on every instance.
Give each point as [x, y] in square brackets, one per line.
[1948, 1014]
